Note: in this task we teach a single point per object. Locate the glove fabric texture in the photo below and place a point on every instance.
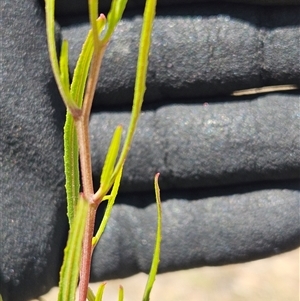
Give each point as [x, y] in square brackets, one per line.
[229, 164]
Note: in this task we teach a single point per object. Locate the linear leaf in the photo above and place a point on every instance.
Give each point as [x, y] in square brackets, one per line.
[71, 166]
[50, 29]
[100, 291]
[111, 158]
[72, 254]
[121, 293]
[83, 64]
[93, 14]
[64, 65]
[115, 14]
[156, 253]
[140, 79]
[90, 295]
[111, 201]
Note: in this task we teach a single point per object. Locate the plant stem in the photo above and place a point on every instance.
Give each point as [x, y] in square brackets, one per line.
[88, 191]
[87, 251]
[99, 51]
[82, 128]
[85, 157]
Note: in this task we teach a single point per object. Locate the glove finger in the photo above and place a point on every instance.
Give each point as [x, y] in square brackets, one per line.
[200, 228]
[80, 7]
[200, 51]
[194, 145]
[33, 224]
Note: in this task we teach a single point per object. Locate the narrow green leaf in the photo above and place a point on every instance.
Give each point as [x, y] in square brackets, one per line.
[156, 253]
[69, 272]
[63, 65]
[140, 79]
[143, 57]
[50, 29]
[111, 158]
[93, 15]
[110, 203]
[114, 16]
[121, 293]
[90, 295]
[71, 166]
[83, 64]
[100, 292]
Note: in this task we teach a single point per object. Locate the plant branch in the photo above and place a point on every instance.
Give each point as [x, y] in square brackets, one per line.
[93, 78]
[79, 108]
[82, 127]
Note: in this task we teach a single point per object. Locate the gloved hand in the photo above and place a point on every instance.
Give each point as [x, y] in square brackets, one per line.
[229, 165]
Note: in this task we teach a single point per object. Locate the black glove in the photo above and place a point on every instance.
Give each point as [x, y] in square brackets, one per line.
[229, 165]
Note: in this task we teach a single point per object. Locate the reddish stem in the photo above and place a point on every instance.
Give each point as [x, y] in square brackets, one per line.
[82, 128]
[88, 192]
[87, 252]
